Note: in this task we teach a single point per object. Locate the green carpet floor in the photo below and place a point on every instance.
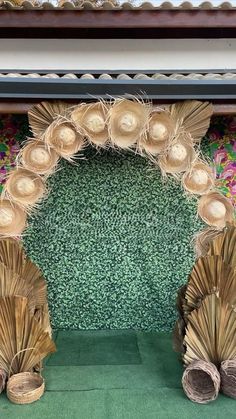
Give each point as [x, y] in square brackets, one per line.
[115, 375]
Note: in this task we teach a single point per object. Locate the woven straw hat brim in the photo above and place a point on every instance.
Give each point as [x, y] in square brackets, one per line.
[51, 138]
[26, 199]
[171, 165]
[30, 163]
[208, 217]
[191, 186]
[153, 147]
[80, 116]
[140, 114]
[42, 115]
[18, 224]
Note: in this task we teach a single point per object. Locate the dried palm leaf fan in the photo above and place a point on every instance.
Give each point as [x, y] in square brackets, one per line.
[91, 119]
[201, 382]
[24, 187]
[210, 275]
[199, 179]
[12, 284]
[20, 276]
[225, 245]
[19, 331]
[161, 128]
[21, 269]
[12, 255]
[193, 117]
[127, 122]
[215, 209]
[42, 115]
[43, 317]
[38, 158]
[228, 377]
[203, 239]
[63, 138]
[12, 219]
[211, 332]
[179, 156]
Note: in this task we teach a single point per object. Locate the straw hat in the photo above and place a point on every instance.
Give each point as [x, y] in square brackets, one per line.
[38, 158]
[42, 115]
[91, 118]
[63, 138]
[199, 179]
[178, 157]
[128, 121]
[24, 187]
[161, 129]
[12, 219]
[215, 209]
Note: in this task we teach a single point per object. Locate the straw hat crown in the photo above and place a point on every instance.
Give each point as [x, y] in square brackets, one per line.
[24, 187]
[128, 121]
[161, 129]
[61, 135]
[12, 219]
[91, 119]
[215, 209]
[199, 179]
[39, 158]
[179, 156]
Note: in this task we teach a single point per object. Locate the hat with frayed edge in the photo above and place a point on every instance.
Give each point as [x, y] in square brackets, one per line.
[43, 114]
[62, 136]
[128, 120]
[92, 120]
[215, 209]
[199, 179]
[160, 129]
[179, 156]
[39, 158]
[24, 187]
[12, 219]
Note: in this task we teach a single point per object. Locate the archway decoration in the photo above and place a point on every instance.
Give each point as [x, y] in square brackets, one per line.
[169, 137]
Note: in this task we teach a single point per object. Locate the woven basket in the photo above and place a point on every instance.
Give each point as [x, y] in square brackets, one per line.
[201, 382]
[228, 378]
[25, 387]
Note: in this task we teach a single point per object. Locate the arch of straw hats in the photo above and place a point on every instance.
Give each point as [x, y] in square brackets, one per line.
[169, 137]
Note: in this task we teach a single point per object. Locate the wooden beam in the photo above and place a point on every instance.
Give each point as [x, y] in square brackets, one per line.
[193, 23]
[23, 108]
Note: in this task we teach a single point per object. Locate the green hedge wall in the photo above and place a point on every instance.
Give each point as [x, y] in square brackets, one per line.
[113, 241]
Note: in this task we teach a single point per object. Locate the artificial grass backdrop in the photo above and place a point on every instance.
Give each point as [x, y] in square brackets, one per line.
[113, 242]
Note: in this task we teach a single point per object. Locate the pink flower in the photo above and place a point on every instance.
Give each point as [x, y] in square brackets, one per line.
[220, 156]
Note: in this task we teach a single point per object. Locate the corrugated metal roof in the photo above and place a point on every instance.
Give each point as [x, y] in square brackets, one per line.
[124, 76]
[107, 5]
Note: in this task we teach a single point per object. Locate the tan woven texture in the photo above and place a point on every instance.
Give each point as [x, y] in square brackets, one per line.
[201, 382]
[228, 378]
[25, 388]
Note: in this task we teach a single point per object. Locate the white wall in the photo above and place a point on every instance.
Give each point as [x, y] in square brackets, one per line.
[117, 54]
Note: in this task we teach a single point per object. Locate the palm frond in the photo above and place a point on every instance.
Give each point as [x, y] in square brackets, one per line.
[23, 343]
[211, 332]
